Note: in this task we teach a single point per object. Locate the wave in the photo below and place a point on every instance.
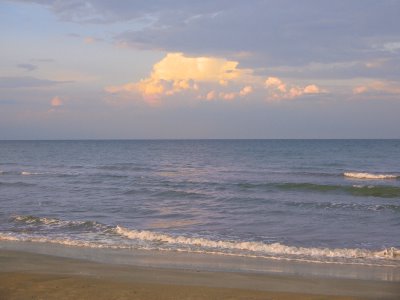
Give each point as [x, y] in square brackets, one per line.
[380, 191]
[308, 186]
[180, 194]
[54, 222]
[164, 242]
[16, 184]
[123, 167]
[23, 173]
[97, 235]
[344, 206]
[258, 247]
[52, 240]
[362, 175]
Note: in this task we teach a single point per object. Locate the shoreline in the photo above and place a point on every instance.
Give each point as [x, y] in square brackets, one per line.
[31, 275]
[208, 262]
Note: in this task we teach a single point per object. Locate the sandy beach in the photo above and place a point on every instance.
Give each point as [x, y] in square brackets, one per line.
[26, 275]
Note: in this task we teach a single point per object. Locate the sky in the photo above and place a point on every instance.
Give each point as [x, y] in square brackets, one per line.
[179, 69]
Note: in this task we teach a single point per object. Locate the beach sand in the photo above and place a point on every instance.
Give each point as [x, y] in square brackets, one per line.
[26, 275]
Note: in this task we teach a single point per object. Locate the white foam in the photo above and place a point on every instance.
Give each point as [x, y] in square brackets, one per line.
[41, 239]
[359, 186]
[26, 173]
[124, 238]
[361, 175]
[272, 249]
[386, 257]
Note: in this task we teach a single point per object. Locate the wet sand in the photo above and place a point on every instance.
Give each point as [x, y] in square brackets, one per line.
[36, 276]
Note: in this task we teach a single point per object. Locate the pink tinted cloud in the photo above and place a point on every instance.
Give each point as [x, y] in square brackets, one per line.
[56, 102]
[385, 87]
[279, 90]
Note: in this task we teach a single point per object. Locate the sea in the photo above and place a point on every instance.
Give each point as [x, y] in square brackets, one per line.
[316, 201]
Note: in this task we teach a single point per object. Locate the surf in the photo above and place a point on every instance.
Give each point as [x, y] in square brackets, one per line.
[91, 234]
[362, 175]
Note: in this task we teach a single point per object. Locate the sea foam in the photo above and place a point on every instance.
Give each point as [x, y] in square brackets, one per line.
[149, 240]
[272, 249]
[105, 236]
[361, 175]
[26, 173]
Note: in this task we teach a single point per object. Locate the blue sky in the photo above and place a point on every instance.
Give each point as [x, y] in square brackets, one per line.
[199, 69]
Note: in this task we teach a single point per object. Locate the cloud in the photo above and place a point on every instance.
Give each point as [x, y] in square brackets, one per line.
[27, 82]
[248, 89]
[176, 73]
[275, 32]
[211, 95]
[312, 89]
[275, 83]
[208, 78]
[27, 67]
[177, 67]
[385, 68]
[360, 90]
[279, 90]
[228, 96]
[91, 40]
[103, 11]
[392, 47]
[384, 87]
[56, 102]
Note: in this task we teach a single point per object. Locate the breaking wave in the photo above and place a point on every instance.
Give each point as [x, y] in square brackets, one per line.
[369, 175]
[26, 173]
[96, 235]
[272, 249]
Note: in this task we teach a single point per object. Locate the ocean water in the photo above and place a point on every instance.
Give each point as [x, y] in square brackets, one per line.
[335, 201]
